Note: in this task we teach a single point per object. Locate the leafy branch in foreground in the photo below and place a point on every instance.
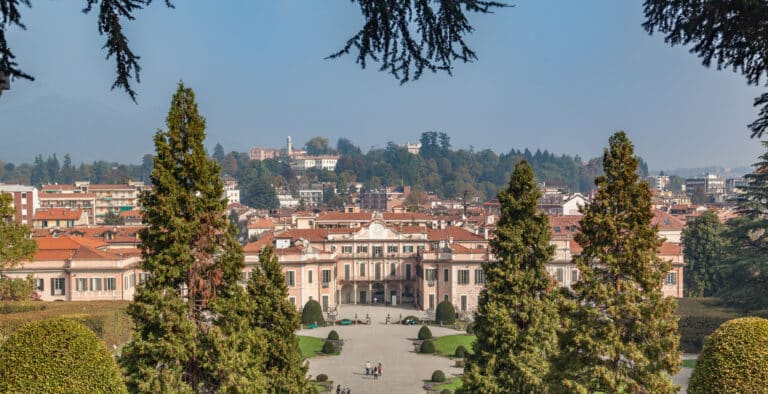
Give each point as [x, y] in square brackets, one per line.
[410, 36]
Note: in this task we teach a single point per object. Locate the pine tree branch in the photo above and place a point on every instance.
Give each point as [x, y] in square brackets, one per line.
[11, 17]
[410, 36]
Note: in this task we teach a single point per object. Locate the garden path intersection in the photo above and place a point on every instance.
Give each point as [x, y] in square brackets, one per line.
[403, 370]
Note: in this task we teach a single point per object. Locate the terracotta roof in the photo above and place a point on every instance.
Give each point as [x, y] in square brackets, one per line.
[58, 214]
[666, 221]
[574, 246]
[406, 216]
[262, 223]
[111, 187]
[132, 213]
[256, 246]
[458, 234]
[564, 224]
[670, 249]
[345, 216]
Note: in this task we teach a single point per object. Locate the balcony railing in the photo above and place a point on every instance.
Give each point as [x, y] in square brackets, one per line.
[431, 283]
[326, 284]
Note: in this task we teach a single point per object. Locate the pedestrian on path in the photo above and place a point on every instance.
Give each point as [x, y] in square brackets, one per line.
[375, 373]
[367, 367]
[338, 389]
[379, 370]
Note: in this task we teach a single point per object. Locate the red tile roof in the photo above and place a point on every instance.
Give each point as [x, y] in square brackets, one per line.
[345, 216]
[406, 216]
[670, 249]
[58, 214]
[262, 223]
[666, 221]
[458, 234]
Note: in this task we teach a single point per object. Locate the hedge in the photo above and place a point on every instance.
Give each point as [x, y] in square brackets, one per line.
[427, 347]
[438, 376]
[425, 333]
[312, 313]
[734, 359]
[333, 335]
[328, 348]
[445, 313]
[461, 351]
[57, 356]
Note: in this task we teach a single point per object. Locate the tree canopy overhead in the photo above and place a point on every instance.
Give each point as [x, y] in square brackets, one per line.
[728, 34]
[406, 36]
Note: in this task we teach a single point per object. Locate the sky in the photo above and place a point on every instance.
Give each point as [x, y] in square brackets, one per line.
[555, 75]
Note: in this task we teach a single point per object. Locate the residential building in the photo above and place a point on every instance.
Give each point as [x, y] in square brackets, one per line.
[24, 200]
[312, 195]
[263, 153]
[324, 162]
[658, 182]
[373, 200]
[231, 190]
[710, 184]
[65, 196]
[59, 218]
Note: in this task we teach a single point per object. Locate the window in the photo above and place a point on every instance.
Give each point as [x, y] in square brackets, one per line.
[464, 303]
[392, 249]
[325, 303]
[445, 275]
[57, 286]
[574, 275]
[39, 284]
[346, 271]
[407, 272]
[392, 269]
[378, 251]
[421, 248]
[81, 284]
[671, 278]
[431, 274]
[346, 249]
[309, 276]
[378, 271]
[110, 284]
[559, 275]
[290, 278]
[362, 249]
[407, 248]
[95, 284]
[463, 277]
[326, 277]
[362, 269]
[143, 277]
[243, 277]
[479, 277]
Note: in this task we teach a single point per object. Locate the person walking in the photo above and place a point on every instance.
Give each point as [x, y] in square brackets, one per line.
[379, 370]
[367, 367]
[338, 389]
[375, 373]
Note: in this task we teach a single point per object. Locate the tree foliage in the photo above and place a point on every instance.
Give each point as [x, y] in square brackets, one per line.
[113, 218]
[747, 267]
[17, 244]
[728, 34]
[312, 313]
[57, 356]
[734, 359]
[318, 146]
[517, 317]
[276, 315]
[445, 313]
[704, 247]
[622, 334]
[409, 37]
[192, 319]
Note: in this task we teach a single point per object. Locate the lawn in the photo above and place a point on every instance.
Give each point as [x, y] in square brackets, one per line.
[446, 345]
[451, 384]
[108, 319]
[699, 317]
[689, 363]
[310, 346]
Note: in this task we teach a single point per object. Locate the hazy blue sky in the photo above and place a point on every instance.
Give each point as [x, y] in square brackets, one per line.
[557, 75]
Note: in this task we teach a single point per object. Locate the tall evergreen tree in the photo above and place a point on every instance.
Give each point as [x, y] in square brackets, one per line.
[747, 265]
[623, 333]
[39, 172]
[517, 317]
[704, 247]
[192, 324]
[278, 317]
[218, 153]
[53, 168]
[67, 171]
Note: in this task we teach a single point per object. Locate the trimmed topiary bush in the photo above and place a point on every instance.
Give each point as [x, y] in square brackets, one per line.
[328, 348]
[425, 333]
[471, 328]
[333, 335]
[445, 313]
[461, 351]
[322, 377]
[57, 356]
[312, 313]
[427, 347]
[734, 359]
[438, 376]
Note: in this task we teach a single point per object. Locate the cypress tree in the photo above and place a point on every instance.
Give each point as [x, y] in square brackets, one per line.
[192, 329]
[517, 318]
[284, 366]
[622, 336]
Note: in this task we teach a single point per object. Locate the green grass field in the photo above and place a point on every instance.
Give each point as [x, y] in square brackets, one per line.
[446, 345]
[108, 319]
[451, 384]
[689, 363]
[310, 345]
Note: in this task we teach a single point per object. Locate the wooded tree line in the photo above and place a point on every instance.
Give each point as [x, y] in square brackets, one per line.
[50, 170]
[729, 260]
